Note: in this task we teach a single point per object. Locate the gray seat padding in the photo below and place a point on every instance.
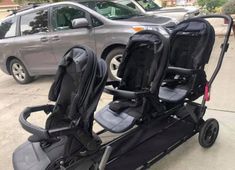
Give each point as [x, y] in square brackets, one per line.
[116, 122]
[172, 95]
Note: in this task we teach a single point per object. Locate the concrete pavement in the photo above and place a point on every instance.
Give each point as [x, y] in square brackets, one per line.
[189, 156]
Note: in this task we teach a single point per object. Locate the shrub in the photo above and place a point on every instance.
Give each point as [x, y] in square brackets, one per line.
[229, 7]
[211, 5]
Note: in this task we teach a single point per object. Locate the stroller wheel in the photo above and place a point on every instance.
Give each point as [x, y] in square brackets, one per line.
[208, 133]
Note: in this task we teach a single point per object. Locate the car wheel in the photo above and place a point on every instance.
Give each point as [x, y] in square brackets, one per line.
[19, 72]
[113, 61]
[208, 133]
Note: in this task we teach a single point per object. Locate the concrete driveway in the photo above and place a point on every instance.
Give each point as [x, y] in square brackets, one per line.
[189, 156]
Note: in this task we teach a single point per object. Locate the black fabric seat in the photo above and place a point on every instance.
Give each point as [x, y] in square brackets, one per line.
[191, 43]
[141, 71]
[77, 88]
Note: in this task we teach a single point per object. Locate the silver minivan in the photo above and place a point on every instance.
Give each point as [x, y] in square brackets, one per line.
[33, 41]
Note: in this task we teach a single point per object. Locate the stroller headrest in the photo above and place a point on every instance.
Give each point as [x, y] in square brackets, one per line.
[191, 43]
[144, 61]
[74, 62]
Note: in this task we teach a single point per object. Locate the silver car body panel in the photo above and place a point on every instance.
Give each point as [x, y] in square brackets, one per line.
[41, 58]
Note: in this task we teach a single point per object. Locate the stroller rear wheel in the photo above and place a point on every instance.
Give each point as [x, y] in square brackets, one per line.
[208, 133]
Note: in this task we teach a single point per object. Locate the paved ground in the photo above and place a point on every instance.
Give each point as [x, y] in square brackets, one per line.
[189, 156]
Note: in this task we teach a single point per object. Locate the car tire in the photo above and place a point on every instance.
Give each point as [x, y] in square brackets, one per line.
[19, 72]
[208, 133]
[113, 60]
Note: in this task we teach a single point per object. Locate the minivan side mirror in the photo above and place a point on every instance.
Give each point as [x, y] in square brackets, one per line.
[80, 23]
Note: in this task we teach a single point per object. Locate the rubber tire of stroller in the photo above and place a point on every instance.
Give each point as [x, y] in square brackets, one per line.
[208, 133]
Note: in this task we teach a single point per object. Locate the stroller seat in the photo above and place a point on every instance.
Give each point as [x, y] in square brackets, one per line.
[141, 71]
[191, 43]
[77, 88]
[172, 94]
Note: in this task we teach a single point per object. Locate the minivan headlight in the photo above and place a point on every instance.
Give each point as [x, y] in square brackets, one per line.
[159, 29]
[155, 28]
[138, 28]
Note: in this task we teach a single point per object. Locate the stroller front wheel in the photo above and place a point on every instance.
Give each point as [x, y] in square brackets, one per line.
[208, 133]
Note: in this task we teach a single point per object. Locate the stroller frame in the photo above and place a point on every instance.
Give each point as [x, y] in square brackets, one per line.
[186, 124]
[194, 118]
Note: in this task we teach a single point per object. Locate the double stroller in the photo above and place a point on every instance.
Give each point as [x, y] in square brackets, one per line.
[153, 109]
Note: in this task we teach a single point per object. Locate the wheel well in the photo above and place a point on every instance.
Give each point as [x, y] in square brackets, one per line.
[110, 48]
[8, 63]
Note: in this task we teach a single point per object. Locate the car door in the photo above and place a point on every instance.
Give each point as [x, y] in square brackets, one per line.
[33, 43]
[63, 36]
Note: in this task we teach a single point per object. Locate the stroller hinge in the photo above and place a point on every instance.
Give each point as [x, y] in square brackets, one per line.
[62, 165]
[226, 46]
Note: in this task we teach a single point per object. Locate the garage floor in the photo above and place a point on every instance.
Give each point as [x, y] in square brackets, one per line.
[189, 156]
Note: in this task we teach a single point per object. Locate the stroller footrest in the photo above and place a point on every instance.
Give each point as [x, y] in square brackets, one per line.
[115, 122]
[30, 156]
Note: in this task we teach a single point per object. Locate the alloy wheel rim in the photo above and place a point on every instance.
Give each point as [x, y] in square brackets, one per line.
[114, 65]
[18, 71]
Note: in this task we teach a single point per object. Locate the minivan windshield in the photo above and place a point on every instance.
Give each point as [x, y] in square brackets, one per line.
[111, 10]
[148, 5]
[8, 28]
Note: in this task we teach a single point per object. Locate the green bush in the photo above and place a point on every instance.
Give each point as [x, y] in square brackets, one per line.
[211, 5]
[229, 7]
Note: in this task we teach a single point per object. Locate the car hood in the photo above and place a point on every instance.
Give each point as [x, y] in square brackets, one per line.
[149, 20]
[188, 9]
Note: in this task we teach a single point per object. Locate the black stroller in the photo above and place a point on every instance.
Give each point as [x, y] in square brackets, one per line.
[153, 109]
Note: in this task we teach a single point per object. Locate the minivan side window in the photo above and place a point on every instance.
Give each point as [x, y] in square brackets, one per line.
[63, 16]
[8, 28]
[33, 23]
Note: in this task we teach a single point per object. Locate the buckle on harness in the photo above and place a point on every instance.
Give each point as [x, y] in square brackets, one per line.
[207, 92]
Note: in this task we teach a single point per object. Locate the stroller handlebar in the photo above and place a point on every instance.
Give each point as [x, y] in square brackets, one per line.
[225, 44]
[38, 132]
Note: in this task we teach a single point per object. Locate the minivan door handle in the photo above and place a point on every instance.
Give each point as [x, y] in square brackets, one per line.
[55, 38]
[44, 39]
